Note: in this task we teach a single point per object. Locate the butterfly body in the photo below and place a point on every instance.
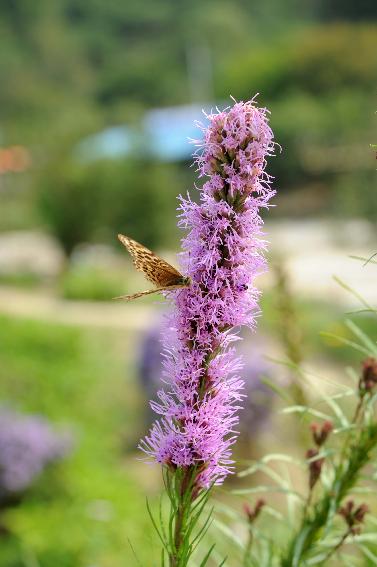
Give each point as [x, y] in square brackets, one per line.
[164, 276]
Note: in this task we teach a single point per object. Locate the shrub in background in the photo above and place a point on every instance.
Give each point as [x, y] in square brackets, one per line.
[89, 202]
[320, 91]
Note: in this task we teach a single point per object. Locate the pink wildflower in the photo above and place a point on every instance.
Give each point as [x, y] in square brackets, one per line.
[222, 256]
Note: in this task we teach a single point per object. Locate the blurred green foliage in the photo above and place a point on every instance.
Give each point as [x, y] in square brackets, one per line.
[85, 510]
[316, 318]
[319, 91]
[319, 87]
[70, 69]
[25, 279]
[90, 283]
[95, 201]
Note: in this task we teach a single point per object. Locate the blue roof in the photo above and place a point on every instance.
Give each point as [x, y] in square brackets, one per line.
[113, 142]
[164, 134]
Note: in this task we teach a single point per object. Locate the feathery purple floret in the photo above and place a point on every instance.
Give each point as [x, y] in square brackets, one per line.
[258, 397]
[222, 256]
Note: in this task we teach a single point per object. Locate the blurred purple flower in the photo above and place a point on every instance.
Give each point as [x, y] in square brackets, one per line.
[222, 255]
[27, 445]
[256, 410]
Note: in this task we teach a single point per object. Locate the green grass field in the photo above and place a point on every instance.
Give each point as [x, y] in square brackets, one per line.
[85, 511]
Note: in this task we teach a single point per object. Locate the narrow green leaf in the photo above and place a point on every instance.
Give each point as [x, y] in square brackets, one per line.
[274, 513]
[155, 525]
[353, 375]
[363, 490]
[203, 530]
[365, 260]
[280, 457]
[372, 519]
[361, 311]
[223, 508]
[359, 333]
[300, 540]
[28, 556]
[308, 375]
[307, 410]
[347, 560]
[352, 292]
[368, 537]
[291, 498]
[368, 553]
[274, 475]
[266, 489]
[316, 559]
[228, 533]
[347, 342]
[331, 402]
[162, 520]
[277, 389]
[207, 556]
[134, 553]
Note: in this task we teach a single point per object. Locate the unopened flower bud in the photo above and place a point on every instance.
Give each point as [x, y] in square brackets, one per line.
[315, 466]
[320, 435]
[368, 378]
[253, 513]
[360, 512]
[353, 516]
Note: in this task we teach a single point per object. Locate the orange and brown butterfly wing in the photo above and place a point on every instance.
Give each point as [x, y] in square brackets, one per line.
[155, 269]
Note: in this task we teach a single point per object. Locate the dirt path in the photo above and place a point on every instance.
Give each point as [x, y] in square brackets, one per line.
[44, 306]
[313, 252]
[310, 272]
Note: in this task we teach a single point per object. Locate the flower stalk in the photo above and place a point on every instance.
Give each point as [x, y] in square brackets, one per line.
[354, 454]
[251, 515]
[222, 255]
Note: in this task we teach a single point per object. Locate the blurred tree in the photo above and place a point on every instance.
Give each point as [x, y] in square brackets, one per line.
[72, 67]
[93, 202]
[363, 10]
[320, 90]
[72, 54]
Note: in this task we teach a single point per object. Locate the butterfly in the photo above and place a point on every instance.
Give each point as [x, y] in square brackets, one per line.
[155, 269]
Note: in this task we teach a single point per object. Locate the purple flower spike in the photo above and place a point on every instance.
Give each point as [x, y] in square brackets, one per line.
[222, 256]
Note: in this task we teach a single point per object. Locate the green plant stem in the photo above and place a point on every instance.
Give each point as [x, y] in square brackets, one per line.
[338, 545]
[186, 529]
[346, 475]
[246, 557]
[358, 410]
[289, 328]
[181, 517]
[309, 501]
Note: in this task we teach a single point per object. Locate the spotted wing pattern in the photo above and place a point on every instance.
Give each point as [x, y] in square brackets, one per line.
[155, 269]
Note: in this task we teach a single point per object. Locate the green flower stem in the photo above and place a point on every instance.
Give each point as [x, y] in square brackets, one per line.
[247, 554]
[346, 475]
[182, 535]
[338, 545]
[182, 514]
